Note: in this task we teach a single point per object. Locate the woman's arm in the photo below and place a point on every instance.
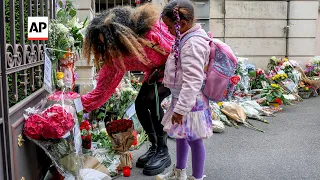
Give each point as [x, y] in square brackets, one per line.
[108, 80]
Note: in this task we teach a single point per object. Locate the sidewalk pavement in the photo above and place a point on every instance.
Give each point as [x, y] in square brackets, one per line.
[288, 150]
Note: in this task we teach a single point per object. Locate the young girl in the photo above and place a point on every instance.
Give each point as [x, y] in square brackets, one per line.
[189, 117]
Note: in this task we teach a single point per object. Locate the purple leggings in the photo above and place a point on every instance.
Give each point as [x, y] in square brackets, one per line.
[198, 155]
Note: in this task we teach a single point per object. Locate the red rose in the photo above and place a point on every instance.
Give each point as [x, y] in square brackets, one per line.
[135, 135]
[278, 100]
[235, 79]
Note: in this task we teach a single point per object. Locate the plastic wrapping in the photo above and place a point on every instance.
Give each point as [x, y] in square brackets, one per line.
[109, 159]
[244, 83]
[216, 110]
[122, 99]
[289, 86]
[57, 133]
[165, 104]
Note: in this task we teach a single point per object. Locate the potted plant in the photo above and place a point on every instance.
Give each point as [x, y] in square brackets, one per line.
[304, 91]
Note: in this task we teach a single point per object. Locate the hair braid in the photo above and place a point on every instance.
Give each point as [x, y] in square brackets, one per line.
[177, 40]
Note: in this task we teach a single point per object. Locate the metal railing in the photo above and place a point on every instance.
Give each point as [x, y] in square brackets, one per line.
[21, 67]
[101, 5]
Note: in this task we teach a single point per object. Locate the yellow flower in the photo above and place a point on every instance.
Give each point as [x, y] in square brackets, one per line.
[220, 104]
[274, 85]
[307, 88]
[285, 59]
[60, 75]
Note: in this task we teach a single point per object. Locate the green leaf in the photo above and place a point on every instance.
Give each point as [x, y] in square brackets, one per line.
[60, 4]
[101, 115]
[72, 12]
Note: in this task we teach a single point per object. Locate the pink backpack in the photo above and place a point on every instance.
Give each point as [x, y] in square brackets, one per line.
[219, 82]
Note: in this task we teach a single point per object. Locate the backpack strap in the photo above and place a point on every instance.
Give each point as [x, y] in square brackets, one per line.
[188, 36]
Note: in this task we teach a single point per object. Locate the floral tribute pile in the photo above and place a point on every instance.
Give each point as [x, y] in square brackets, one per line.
[66, 34]
[263, 92]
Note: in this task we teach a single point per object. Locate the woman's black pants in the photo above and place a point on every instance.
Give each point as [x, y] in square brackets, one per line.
[146, 107]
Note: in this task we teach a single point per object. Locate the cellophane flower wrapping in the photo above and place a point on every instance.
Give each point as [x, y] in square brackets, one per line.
[122, 138]
[243, 86]
[122, 99]
[108, 158]
[54, 128]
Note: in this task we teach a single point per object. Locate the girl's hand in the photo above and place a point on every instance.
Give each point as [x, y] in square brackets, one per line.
[177, 118]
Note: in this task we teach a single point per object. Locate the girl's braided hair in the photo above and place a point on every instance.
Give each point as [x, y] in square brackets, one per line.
[176, 11]
[121, 29]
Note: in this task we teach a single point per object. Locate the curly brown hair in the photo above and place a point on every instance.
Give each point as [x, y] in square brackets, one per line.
[118, 32]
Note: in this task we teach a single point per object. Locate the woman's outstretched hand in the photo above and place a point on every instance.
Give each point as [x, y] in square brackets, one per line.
[177, 118]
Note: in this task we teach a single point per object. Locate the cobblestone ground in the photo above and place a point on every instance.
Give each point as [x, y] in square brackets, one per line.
[288, 150]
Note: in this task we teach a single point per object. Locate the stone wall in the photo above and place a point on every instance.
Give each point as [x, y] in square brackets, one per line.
[318, 35]
[256, 29]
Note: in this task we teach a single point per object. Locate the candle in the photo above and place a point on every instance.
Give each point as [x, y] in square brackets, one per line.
[126, 171]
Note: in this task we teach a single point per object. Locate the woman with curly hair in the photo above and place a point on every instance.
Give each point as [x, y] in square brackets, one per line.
[125, 39]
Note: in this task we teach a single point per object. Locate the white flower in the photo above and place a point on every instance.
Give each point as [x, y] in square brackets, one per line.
[286, 64]
[62, 28]
[60, 83]
[71, 40]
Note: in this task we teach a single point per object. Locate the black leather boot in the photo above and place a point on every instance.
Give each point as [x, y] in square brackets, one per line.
[150, 153]
[161, 160]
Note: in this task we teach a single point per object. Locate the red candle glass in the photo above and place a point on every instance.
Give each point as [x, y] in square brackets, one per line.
[126, 171]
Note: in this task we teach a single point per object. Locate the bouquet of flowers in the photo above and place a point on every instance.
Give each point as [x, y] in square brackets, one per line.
[274, 94]
[313, 67]
[120, 101]
[260, 78]
[243, 72]
[56, 130]
[122, 138]
[86, 136]
[135, 82]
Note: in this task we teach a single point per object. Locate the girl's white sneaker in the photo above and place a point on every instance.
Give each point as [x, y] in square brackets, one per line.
[175, 174]
[193, 178]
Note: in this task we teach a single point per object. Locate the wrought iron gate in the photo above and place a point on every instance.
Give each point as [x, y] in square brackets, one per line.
[21, 84]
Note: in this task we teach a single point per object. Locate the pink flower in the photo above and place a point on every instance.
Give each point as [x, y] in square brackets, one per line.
[260, 71]
[53, 123]
[277, 68]
[60, 96]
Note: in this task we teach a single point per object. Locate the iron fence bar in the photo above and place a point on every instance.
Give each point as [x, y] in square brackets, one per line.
[107, 4]
[46, 9]
[41, 13]
[37, 69]
[13, 44]
[22, 42]
[27, 66]
[99, 6]
[54, 9]
[51, 10]
[5, 101]
[31, 75]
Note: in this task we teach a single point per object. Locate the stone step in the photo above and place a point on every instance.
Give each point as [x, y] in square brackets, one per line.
[84, 81]
[85, 72]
